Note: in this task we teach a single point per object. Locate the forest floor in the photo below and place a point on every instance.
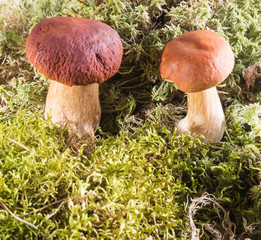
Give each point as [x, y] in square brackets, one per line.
[137, 179]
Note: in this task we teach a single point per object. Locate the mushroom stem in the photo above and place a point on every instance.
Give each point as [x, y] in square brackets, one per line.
[205, 116]
[77, 107]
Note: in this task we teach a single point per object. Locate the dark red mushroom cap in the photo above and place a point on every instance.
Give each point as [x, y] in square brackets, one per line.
[74, 51]
[196, 61]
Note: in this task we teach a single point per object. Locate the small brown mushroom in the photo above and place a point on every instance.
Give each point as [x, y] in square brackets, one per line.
[197, 62]
[77, 54]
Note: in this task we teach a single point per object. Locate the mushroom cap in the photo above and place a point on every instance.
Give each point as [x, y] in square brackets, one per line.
[197, 60]
[74, 51]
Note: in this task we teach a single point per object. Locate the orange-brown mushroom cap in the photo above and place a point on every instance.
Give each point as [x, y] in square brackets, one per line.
[74, 51]
[196, 61]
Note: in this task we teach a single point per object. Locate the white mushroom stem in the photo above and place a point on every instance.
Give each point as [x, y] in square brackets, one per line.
[77, 107]
[205, 116]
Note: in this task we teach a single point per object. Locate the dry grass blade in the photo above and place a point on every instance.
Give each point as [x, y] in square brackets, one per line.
[52, 214]
[16, 217]
[51, 204]
[23, 146]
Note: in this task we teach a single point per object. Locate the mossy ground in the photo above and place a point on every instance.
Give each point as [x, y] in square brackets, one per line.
[138, 180]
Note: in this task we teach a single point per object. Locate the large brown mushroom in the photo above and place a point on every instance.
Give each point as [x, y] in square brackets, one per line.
[77, 54]
[197, 62]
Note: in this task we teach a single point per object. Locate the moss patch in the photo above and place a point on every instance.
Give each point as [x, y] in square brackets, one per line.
[140, 181]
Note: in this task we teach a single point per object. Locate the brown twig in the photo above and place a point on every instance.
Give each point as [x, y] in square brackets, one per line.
[217, 147]
[49, 205]
[83, 2]
[156, 235]
[74, 10]
[52, 214]
[64, 200]
[23, 146]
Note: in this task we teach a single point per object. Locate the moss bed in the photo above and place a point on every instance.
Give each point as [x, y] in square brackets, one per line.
[137, 179]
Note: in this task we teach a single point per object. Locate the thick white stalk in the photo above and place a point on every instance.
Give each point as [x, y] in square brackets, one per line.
[205, 116]
[77, 107]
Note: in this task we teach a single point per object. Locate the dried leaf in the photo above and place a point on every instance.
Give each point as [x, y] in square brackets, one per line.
[250, 74]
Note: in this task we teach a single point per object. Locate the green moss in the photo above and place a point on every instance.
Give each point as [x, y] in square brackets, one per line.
[139, 179]
[133, 186]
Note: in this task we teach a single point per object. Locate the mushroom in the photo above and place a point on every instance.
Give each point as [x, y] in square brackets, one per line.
[197, 62]
[77, 54]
